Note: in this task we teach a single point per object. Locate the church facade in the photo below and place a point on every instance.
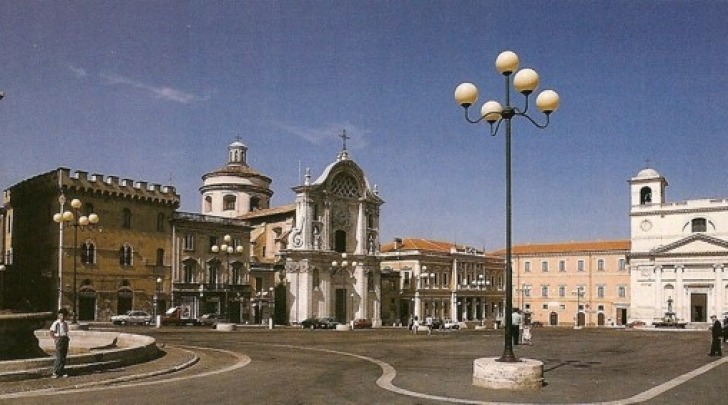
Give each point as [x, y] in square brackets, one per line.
[679, 253]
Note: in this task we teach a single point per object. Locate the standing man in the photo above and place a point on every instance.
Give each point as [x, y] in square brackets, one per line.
[516, 321]
[717, 333]
[59, 332]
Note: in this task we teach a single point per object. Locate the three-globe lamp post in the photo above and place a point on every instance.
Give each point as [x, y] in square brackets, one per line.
[525, 81]
[228, 249]
[72, 218]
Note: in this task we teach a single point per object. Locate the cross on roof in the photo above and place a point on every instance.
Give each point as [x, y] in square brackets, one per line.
[344, 137]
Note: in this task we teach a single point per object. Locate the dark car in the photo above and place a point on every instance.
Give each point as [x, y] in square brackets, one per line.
[208, 320]
[362, 323]
[329, 322]
[312, 323]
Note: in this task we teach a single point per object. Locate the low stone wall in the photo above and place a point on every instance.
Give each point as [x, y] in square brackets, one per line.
[89, 349]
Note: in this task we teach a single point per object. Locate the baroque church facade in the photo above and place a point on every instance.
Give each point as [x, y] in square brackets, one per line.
[679, 253]
[317, 257]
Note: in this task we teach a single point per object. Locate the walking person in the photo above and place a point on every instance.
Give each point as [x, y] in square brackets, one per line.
[725, 329]
[415, 325]
[516, 321]
[717, 333]
[59, 332]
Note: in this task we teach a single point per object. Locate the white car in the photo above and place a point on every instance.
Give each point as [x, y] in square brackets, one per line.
[450, 324]
[132, 318]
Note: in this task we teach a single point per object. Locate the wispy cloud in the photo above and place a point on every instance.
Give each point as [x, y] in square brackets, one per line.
[163, 92]
[77, 71]
[357, 137]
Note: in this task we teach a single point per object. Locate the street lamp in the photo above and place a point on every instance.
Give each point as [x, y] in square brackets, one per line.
[524, 81]
[339, 267]
[2, 291]
[228, 249]
[72, 218]
[157, 292]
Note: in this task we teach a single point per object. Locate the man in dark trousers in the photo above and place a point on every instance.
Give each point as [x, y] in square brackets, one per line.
[717, 333]
[59, 332]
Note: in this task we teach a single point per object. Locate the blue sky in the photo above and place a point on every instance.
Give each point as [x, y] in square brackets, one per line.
[156, 91]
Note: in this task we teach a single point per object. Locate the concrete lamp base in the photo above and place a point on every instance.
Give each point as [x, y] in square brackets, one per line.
[525, 374]
[225, 327]
[343, 327]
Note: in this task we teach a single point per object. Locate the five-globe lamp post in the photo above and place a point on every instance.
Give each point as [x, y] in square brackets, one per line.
[72, 218]
[228, 249]
[525, 81]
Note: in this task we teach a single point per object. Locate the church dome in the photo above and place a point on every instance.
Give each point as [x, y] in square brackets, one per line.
[647, 173]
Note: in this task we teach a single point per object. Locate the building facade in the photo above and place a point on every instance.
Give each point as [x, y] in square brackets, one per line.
[441, 280]
[679, 253]
[574, 283]
[115, 265]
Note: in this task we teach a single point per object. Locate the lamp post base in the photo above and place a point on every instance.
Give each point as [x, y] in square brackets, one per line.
[525, 374]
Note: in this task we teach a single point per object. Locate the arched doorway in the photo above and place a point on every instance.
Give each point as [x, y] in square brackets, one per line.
[124, 300]
[553, 319]
[87, 303]
[580, 319]
[280, 315]
[600, 319]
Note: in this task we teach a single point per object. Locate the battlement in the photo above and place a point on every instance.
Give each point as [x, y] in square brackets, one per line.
[113, 185]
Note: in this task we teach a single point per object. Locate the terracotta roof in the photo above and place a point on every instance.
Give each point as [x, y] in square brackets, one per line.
[419, 244]
[283, 209]
[568, 247]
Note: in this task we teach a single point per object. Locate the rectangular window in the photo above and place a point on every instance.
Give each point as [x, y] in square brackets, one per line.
[527, 267]
[562, 291]
[600, 265]
[444, 280]
[527, 291]
[213, 242]
[580, 265]
[621, 291]
[545, 306]
[544, 291]
[189, 242]
[406, 279]
[621, 265]
[600, 291]
[562, 265]
[544, 266]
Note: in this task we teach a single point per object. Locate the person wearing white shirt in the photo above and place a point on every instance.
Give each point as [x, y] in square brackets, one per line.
[59, 332]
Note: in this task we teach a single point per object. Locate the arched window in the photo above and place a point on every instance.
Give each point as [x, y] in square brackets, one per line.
[212, 270]
[254, 203]
[125, 255]
[316, 278]
[126, 218]
[188, 271]
[645, 196]
[88, 253]
[228, 203]
[207, 206]
[699, 225]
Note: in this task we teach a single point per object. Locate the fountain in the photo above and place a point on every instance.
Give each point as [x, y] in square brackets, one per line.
[17, 334]
[669, 320]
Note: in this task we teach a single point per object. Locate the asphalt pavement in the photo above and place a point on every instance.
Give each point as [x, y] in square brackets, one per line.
[392, 366]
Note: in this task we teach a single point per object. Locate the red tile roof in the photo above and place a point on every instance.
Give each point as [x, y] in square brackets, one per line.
[568, 247]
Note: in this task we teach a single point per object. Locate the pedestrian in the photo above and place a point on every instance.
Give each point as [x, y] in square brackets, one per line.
[526, 336]
[717, 333]
[59, 332]
[415, 325]
[516, 321]
[725, 329]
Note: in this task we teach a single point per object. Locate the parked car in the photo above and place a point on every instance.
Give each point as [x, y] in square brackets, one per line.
[208, 320]
[312, 323]
[362, 324]
[451, 324]
[329, 322]
[635, 324]
[132, 318]
[178, 316]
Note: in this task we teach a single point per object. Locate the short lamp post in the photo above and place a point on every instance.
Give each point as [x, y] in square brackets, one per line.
[72, 218]
[271, 320]
[227, 248]
[524, 81]
[157, 293]
[481, 284]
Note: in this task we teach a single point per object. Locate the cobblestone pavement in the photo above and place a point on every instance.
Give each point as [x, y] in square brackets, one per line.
[394, 367]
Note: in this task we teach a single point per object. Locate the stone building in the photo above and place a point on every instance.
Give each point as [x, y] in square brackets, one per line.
[572, 283]
[118, 264]
[441, 280]
[679, 253]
